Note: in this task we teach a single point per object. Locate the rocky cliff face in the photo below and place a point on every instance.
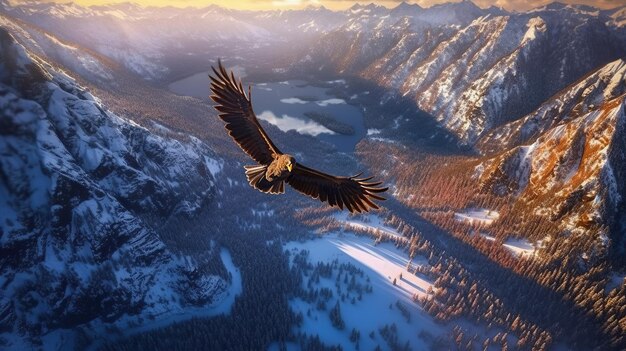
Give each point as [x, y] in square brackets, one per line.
[588, 94]
[565, 159]
[572, 175]
[79, 187]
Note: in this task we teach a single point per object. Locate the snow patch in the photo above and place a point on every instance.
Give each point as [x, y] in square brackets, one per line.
[382, 264]
[477, 216]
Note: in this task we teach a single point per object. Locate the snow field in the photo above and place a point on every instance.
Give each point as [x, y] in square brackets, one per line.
[381, 264]
[477, 216]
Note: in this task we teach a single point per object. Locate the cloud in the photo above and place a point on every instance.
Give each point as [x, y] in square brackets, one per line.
[327, 102]
[286, 123]
[293, 100]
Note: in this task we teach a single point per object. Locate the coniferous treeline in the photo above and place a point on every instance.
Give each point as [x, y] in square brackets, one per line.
[561, 292]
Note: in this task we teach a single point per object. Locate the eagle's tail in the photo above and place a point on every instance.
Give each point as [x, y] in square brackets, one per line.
[256, 178]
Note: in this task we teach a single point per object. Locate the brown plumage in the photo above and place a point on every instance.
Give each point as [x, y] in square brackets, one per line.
[275, 168]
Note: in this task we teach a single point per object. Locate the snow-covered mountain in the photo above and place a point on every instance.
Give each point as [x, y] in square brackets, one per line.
[472, 78]
[565, 160]
[90, 201]
[618, 16]
[290, 24]
[80, 191]
[573, 174]
[589, 94]
[85, 63]
[540, 92]
[455, 13]
[140, 37]
[143, 39]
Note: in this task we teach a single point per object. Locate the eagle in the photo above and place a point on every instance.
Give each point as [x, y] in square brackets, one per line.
[275, 168]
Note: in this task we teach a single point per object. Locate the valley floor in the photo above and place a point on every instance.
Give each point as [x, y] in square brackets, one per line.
[382, 265]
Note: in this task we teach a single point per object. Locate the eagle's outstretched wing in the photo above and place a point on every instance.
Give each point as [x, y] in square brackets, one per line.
[236, 110]
[353, 193]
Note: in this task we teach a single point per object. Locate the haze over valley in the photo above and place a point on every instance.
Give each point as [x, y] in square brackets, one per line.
[127, 222]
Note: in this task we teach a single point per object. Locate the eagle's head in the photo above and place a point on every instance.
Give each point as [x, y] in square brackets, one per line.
[287, 162]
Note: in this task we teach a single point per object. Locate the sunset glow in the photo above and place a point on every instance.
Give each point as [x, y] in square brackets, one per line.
[341, 4]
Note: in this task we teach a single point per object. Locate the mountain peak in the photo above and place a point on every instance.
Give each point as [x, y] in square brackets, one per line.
[404, 8]
[406, 5]
[556, 5]
[369, 9]
[464, 5]
[359, 6]
[497, 11]
[315, 8]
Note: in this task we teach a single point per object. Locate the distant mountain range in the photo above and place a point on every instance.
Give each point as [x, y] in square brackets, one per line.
[487, 69]
[144, 38]
[457, 61]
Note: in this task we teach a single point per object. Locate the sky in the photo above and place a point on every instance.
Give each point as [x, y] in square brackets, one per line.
[342, 4]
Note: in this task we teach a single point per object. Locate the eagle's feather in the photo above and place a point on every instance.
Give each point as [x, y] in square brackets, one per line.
[235, 107]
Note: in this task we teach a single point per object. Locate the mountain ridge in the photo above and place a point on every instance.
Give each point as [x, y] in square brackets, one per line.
[89, 185]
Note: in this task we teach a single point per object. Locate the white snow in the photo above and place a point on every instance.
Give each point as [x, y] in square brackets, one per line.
[214, 166]
[381, 263]
[372, 223]
[222, 305]
[535, 25]
[615, 280]
[236, 287]
[477, 216]
[521, 247]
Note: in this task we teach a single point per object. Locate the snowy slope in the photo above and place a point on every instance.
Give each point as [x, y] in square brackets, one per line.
[572, 174]
[590, 93]
[565, 160]
[618, 17]
[366, 312]
[138, 37]
[43, 44]
[149, 40]
[78, 185]
[476, 75]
